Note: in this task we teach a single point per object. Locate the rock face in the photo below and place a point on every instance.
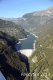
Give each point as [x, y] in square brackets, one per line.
[12, 29]
[12, 63]
[37, 21]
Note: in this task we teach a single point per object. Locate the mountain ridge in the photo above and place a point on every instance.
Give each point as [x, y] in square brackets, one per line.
[12, 29]
[37, 21]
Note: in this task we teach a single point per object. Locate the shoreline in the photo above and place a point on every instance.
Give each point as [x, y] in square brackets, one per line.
[34, 44]
[34, 35]
[18, 42]
[28, 52]
[22, 39]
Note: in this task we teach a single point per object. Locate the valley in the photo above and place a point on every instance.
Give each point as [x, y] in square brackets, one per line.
[39, 64]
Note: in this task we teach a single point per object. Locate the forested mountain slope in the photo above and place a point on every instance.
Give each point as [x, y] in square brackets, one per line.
[12, 29]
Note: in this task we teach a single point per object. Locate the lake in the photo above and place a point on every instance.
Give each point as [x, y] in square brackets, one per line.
[26, 43]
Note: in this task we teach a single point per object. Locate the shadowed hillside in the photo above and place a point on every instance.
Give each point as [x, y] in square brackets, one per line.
[12, 63]
[12, 29]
